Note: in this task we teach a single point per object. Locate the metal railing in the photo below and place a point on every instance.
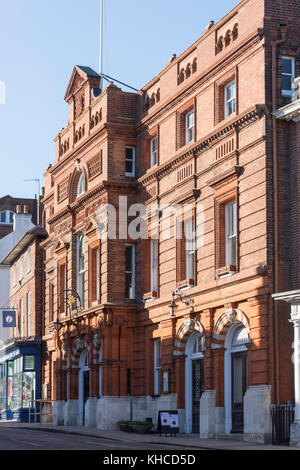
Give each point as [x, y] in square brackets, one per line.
[40, 411]
[282, 417]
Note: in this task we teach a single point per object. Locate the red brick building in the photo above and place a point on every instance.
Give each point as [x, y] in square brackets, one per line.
[168, 323]
[20, 356]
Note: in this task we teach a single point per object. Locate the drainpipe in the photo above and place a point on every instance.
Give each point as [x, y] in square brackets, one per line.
[282, 30]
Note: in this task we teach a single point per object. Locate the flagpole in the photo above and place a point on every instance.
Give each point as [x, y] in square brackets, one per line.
[101, 45]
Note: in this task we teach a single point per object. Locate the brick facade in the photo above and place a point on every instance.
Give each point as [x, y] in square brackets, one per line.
[227, 159]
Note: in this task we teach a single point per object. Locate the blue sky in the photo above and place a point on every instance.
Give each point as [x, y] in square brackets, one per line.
[41, 41]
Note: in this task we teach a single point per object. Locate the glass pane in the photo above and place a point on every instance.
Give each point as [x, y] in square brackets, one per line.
[129, 153]
[128, 286]
[28, 362]
[128, 258]
[286, 82]
[287, 66]
[231, 107]
[16, 393]
[232, 260]
[3, 217]
[129, 167]
[238, 379]
[11, 217]
[28, 394]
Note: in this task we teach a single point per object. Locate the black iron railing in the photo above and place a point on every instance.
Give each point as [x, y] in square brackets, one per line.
[282, 418]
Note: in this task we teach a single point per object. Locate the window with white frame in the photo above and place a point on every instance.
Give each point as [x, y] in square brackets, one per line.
[129, 161]
[153, 145]
[189, 127]
[80, 267]
[29, 259]
[230, 233]
[21, 267]
[6, 218]
[15, 328]
[14, 270]
[157, 367]
[28, 313]
[81, 185]
[287, 75]
[130, 271]
[230, 99]
[154, 264]
[189, 228]
[21, 318]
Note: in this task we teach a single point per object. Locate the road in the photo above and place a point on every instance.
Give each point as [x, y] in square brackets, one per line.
[28, 439]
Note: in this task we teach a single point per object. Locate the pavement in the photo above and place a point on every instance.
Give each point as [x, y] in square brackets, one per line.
[191, 441]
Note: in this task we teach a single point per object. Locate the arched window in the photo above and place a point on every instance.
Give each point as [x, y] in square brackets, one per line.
[80, 267]
[194, 66]
[81, 185]
[188, 71]
[228, 38]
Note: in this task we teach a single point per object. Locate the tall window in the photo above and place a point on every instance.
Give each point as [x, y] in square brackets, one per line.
[154, 265]
[157, 367]
[230, 233]
[14, 274]
[190, 249]
[153, 145]
[21, 268]
[129, 161]
[29, 313]
[15, 328]
[51, 301]
[95, 274]
[81, 185]
[189, 127]
[80, 267]
[62, 285]
[21, 318]
[229, 99]
[287, 75]
[130, 272]
[29, 259]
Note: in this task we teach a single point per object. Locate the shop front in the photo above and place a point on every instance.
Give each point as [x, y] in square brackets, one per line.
[20, 366]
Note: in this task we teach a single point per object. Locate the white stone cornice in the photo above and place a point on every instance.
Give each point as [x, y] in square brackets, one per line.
[290, 112]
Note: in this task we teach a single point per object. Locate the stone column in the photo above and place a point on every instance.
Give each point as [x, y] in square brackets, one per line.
[295, 427]
[293, 298]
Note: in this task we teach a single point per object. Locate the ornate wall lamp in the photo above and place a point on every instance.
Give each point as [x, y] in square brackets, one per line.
[72, 302]
[188, 301]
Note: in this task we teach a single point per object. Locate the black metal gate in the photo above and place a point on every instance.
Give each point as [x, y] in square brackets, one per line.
[282, 418]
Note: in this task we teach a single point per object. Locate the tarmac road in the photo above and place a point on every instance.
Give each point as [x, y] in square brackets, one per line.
[28, 439]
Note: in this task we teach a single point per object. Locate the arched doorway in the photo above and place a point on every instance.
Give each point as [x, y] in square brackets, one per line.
[194, 374]
[236, 377]
[83, 385]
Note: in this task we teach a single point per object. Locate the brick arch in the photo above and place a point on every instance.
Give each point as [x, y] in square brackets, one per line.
[184, 331]
[73, 182]
[79, 346]
[228, 318]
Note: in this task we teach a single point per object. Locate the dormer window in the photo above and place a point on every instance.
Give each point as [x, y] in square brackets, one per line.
[81, 185]
[6, 218]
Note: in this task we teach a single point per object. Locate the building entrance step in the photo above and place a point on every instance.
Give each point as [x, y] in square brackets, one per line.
[233, 437]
